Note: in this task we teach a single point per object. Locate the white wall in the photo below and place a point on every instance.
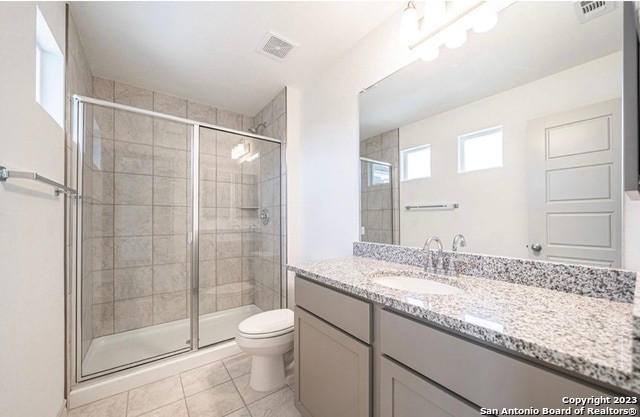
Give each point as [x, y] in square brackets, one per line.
[327, 192]
[493, 202]
[31, 224]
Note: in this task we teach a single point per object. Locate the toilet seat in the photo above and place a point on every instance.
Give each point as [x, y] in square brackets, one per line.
[268, 324]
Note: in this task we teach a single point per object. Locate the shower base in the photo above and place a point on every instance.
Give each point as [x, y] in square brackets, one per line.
[113, 351]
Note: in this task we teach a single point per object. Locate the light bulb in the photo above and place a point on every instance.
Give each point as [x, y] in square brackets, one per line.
[484, 23]
[409, 25]
[456, 39]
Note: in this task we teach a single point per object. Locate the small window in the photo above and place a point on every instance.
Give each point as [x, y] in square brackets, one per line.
[480, 150]
[415, 163]
[379, 174]
[49, 71]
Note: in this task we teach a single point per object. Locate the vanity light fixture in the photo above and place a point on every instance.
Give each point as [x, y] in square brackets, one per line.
[240, 150]
[446, 23]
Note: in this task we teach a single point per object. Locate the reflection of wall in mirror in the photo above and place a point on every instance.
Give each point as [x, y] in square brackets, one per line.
[379, 220]
[493, 202]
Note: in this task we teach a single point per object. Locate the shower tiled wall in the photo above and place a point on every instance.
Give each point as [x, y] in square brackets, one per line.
[271, 247]
[138, 211]
[380, 204]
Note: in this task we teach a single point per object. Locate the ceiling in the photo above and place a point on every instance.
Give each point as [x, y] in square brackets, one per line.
[206, 51]
[531, 40]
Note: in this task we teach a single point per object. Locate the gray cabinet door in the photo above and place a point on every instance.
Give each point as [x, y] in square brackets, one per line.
[405, 394]
[332, 370]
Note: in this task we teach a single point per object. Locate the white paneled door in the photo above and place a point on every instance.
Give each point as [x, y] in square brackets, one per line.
[574, 169]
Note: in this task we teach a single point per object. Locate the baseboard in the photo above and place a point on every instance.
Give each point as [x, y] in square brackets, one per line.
[63, 409]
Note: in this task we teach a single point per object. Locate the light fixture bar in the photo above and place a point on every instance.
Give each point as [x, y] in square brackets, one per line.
[450, 22]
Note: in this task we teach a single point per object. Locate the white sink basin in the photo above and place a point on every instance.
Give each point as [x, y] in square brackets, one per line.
[425, 286]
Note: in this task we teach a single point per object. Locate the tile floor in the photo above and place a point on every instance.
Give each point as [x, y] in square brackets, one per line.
[214, 390]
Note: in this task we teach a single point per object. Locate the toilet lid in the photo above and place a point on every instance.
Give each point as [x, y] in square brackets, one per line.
[274, 321]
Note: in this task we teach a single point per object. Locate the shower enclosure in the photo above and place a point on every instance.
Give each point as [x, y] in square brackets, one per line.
[376, 201]
[178, 235]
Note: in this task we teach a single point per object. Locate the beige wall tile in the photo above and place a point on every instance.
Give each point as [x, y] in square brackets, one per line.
[133, 283]
[208, 167]
[169, 307]
[208, 219]
[102, 156]
[279, 105]
[207, 297]
[208, 273]
[169, 191]
[169, 278]
[133, 314]
[102, 253]
[169, 249]
[208, 141]
[208, 194]
[202, 113]
[102, 286]
[229, 296]
[102, 319]
[133, 96]
[102, 192]
[229, 270]
[166, 104]
[132, 158]
[169, 162]
[133, 189]
[207, 247]
[133, 127]
[133, 251]
[229, 119]
[101, 220]
[229, 245]
[133, 220]
[103, 122]
[169, 220]
[169, 134]
[103, 89]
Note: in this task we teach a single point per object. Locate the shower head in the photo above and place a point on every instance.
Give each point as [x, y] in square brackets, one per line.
[257, 129]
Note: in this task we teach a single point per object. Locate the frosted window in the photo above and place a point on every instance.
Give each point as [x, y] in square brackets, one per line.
[49, 71]
[480, 150]
[416, 163]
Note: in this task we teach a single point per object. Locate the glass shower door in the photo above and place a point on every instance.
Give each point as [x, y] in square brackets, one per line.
[239, 231]
[134, 292]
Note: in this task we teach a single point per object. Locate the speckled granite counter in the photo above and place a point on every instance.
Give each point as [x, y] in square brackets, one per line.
[587, 335]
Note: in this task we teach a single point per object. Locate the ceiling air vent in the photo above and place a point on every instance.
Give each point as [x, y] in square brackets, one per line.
[275, 46]
[588, 10]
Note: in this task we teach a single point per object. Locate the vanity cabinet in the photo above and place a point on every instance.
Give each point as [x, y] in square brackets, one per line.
[331, 352]
[474, 372]
[404, 393]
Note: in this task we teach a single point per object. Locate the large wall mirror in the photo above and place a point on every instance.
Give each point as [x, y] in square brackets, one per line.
[513, 140]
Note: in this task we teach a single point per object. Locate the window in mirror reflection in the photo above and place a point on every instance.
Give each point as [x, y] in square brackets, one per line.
[480, 150]
[415, 163]
[379, 174]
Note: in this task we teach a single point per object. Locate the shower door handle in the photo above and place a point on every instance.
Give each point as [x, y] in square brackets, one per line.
[189, 238]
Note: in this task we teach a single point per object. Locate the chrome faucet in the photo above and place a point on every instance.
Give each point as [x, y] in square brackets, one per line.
[452, 267]
[458, 240]
[430, 265]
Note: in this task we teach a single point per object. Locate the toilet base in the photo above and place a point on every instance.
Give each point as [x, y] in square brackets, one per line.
[267, 372]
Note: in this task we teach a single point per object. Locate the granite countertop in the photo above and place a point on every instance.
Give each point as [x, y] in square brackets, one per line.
[587, 335]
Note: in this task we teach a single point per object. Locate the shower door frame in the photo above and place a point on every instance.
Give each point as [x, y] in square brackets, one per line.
[75, 346]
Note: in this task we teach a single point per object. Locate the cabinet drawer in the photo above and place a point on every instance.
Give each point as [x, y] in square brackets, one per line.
[332, 370]
[405, 394]
[483, 376]
[343, 311]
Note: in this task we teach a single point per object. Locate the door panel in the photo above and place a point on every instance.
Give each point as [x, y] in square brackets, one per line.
[579, 137]
[575, 185]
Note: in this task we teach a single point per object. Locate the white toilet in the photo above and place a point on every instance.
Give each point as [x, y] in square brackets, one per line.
[266, 337]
